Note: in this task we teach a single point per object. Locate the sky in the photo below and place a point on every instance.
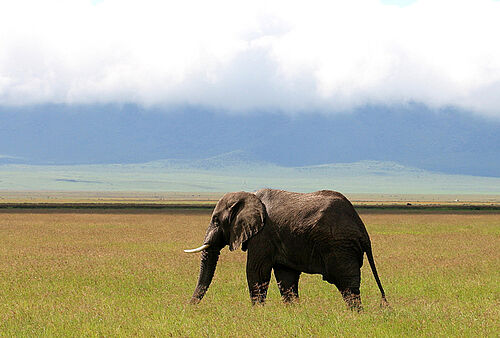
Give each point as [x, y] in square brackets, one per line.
[245, 56]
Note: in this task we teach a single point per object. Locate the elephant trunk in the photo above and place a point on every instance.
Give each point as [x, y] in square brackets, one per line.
[208, 264]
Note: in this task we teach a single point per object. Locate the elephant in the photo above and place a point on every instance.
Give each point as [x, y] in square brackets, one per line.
[289, 233]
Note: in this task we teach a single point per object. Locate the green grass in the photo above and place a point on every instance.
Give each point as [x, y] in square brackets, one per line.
[122, 274]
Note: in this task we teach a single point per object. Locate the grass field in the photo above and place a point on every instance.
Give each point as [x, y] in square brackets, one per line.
[121, 273]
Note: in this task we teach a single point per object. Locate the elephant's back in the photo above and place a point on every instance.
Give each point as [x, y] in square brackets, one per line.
[305, 208]
[326, 215]
[307, 204]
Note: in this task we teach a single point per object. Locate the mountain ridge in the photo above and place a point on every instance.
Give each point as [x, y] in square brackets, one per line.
[413, 135]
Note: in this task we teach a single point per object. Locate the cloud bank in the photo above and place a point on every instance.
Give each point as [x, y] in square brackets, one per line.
[235, 56]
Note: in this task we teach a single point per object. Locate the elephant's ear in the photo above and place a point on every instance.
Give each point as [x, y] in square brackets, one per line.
[246, 217]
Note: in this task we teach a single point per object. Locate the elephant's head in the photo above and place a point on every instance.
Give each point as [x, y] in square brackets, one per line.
[236, 218]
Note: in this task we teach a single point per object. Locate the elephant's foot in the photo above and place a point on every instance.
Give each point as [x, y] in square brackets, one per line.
[288, 283]
[290, 298]
[258, 293]
[352, 299]
[288, 295]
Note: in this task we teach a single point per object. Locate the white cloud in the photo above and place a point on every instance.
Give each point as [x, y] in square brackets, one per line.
[237, 56]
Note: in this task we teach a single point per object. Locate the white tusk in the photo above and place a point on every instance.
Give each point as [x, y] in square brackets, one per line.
[201, 248]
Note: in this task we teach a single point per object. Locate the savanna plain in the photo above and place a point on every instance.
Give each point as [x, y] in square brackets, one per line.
[123, 272]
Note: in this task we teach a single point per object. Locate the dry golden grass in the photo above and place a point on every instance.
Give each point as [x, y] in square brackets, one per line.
[124, 273]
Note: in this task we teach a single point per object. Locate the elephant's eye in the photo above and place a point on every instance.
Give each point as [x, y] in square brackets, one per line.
[215, 220]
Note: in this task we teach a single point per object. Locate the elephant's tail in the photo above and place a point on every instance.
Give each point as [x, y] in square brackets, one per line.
[369, 255]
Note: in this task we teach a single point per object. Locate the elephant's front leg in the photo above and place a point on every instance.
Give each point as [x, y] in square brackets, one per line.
[288, 282]
[258, 277]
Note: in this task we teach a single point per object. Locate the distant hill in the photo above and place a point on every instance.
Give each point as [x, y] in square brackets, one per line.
[234, 160]
[237, 170]
[5, 159]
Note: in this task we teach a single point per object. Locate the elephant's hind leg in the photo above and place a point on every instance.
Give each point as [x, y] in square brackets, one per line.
[343, 270]
[352, 298]
[288, 282]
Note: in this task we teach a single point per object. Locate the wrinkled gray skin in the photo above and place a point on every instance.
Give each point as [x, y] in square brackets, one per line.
[289, 233]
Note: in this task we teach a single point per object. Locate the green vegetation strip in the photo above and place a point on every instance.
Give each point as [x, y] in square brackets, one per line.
[429, 207]
[104, 206]
[211, 205]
